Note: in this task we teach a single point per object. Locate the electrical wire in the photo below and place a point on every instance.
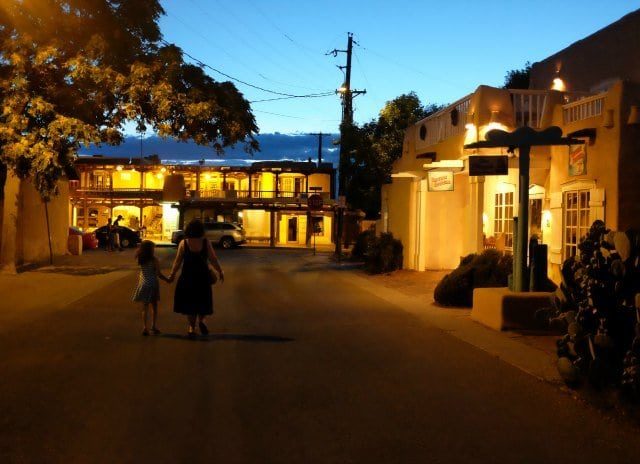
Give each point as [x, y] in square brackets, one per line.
[328, 94]
[240, 81]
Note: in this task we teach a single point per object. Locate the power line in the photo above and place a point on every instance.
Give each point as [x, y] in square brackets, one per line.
[257, 87]
[328, 94]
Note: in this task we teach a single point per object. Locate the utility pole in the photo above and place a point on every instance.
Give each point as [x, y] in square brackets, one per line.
[345, 129]
[319, 135]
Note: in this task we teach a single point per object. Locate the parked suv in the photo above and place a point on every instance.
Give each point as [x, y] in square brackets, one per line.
[225, 234]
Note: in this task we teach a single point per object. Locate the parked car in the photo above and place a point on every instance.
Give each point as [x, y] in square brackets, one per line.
[89, 240]
[129, 238]
[225, 234]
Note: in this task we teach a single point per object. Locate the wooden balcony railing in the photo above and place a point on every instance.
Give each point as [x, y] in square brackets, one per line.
[528, 107]
[107, 192]
[583, 108]
[446, 123]
[256, 194]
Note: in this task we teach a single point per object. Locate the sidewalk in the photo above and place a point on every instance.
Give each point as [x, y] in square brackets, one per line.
[31, 294]
[412, 292]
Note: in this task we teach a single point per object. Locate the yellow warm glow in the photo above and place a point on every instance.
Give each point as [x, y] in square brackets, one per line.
[546, 218]
[163, 170]
[207, 176]
[118, 168]
[159, 175]
[558, 84]
[471, 135]
[489, 127]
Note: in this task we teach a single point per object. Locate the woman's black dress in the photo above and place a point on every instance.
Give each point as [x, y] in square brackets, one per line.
[193, 294]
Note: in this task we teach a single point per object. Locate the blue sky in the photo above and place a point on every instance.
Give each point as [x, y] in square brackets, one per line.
[440, 49]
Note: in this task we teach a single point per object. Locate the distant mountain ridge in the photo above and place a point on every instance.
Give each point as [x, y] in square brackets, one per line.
[276, 146]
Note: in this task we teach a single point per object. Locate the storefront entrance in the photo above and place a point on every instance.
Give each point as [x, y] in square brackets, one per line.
[292, 230]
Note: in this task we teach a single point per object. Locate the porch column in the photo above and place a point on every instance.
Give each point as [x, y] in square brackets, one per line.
[198, 182]
[272, 228]
[277, 184]
[249, 195]
[475, 240]
[306, 184]
[309, 228]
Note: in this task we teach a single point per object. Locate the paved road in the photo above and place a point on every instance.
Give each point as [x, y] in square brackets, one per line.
[302, 367]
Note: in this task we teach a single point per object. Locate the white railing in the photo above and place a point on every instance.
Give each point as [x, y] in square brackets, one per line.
[583, 108]
[445, 123]
[528, 107]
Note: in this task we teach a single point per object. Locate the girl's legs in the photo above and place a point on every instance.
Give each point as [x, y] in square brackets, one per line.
[154, 317]
[145, 317]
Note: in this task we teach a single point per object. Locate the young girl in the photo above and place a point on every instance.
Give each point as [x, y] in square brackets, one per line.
[148, 290]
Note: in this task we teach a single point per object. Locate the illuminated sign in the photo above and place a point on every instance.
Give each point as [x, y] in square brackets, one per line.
[440, 181]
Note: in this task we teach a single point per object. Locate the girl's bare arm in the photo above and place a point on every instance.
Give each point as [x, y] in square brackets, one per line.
[158, 271]
[214, 260]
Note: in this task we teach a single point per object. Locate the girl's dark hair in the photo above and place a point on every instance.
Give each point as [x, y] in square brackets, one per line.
[195, 229]
[144, 253]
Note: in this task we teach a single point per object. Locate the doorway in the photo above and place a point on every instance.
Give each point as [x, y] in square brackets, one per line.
[292, 229]
[535, 218]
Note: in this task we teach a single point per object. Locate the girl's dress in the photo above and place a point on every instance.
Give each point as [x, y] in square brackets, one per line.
[148, 288]
[193, 294]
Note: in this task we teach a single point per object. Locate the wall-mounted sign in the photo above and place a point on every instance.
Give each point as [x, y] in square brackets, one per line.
[488, 165]
[440, 181]
[577, 160]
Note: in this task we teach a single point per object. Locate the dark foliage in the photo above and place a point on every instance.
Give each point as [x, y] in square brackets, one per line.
[385, 255]
[518, 78]
[596, 308]
[488, 269]
[362, 245]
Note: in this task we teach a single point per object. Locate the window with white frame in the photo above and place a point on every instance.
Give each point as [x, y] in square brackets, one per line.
[503, 217]
[576, 220]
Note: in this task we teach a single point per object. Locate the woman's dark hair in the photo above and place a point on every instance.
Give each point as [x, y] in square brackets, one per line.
[195, 229]
[144, 253]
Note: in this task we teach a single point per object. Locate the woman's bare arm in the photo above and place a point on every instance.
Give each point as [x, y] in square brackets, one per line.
[178, 261]
[214, 261]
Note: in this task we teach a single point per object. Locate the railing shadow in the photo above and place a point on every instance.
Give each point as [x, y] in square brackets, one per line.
[256, 338]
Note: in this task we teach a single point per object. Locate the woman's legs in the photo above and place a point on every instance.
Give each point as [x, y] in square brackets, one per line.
[192, 323]
[204, 330]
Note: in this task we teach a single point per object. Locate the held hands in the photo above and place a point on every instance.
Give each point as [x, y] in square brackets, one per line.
[221, 276]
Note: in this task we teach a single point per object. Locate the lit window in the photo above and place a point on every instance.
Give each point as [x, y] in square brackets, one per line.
[503, 218]
[125, 175]
[576, 220]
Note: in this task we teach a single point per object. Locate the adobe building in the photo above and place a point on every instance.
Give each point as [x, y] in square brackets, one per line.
[269, 198]
[591, 90]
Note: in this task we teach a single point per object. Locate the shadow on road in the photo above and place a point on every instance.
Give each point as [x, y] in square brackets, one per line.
[237, 337]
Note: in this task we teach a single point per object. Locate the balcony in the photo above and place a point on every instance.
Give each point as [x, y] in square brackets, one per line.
[584, 108]
[117, 193]
[258, 195]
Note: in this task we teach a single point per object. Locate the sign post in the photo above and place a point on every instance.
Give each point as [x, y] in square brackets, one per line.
[314, 203]
[521, 139]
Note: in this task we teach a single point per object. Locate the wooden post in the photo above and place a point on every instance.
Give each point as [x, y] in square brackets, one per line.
[272, 227]
[521, 283]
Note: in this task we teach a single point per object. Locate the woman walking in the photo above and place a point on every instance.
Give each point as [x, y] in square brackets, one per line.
[193, 296]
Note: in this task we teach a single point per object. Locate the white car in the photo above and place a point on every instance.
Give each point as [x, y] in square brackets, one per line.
[225, 234]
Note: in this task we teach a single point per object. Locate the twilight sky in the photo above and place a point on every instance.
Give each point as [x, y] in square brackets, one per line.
[440, 49]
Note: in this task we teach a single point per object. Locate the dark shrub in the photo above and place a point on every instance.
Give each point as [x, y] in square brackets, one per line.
[488, 269]
[385, 254]
[362, 245]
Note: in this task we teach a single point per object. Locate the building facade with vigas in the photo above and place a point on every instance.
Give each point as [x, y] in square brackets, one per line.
[591, 90]
[269, 199]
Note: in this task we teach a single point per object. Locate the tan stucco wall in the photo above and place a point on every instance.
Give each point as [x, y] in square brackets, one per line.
[610, 53]
[25, 238]
[400, 204]
[320, 180]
